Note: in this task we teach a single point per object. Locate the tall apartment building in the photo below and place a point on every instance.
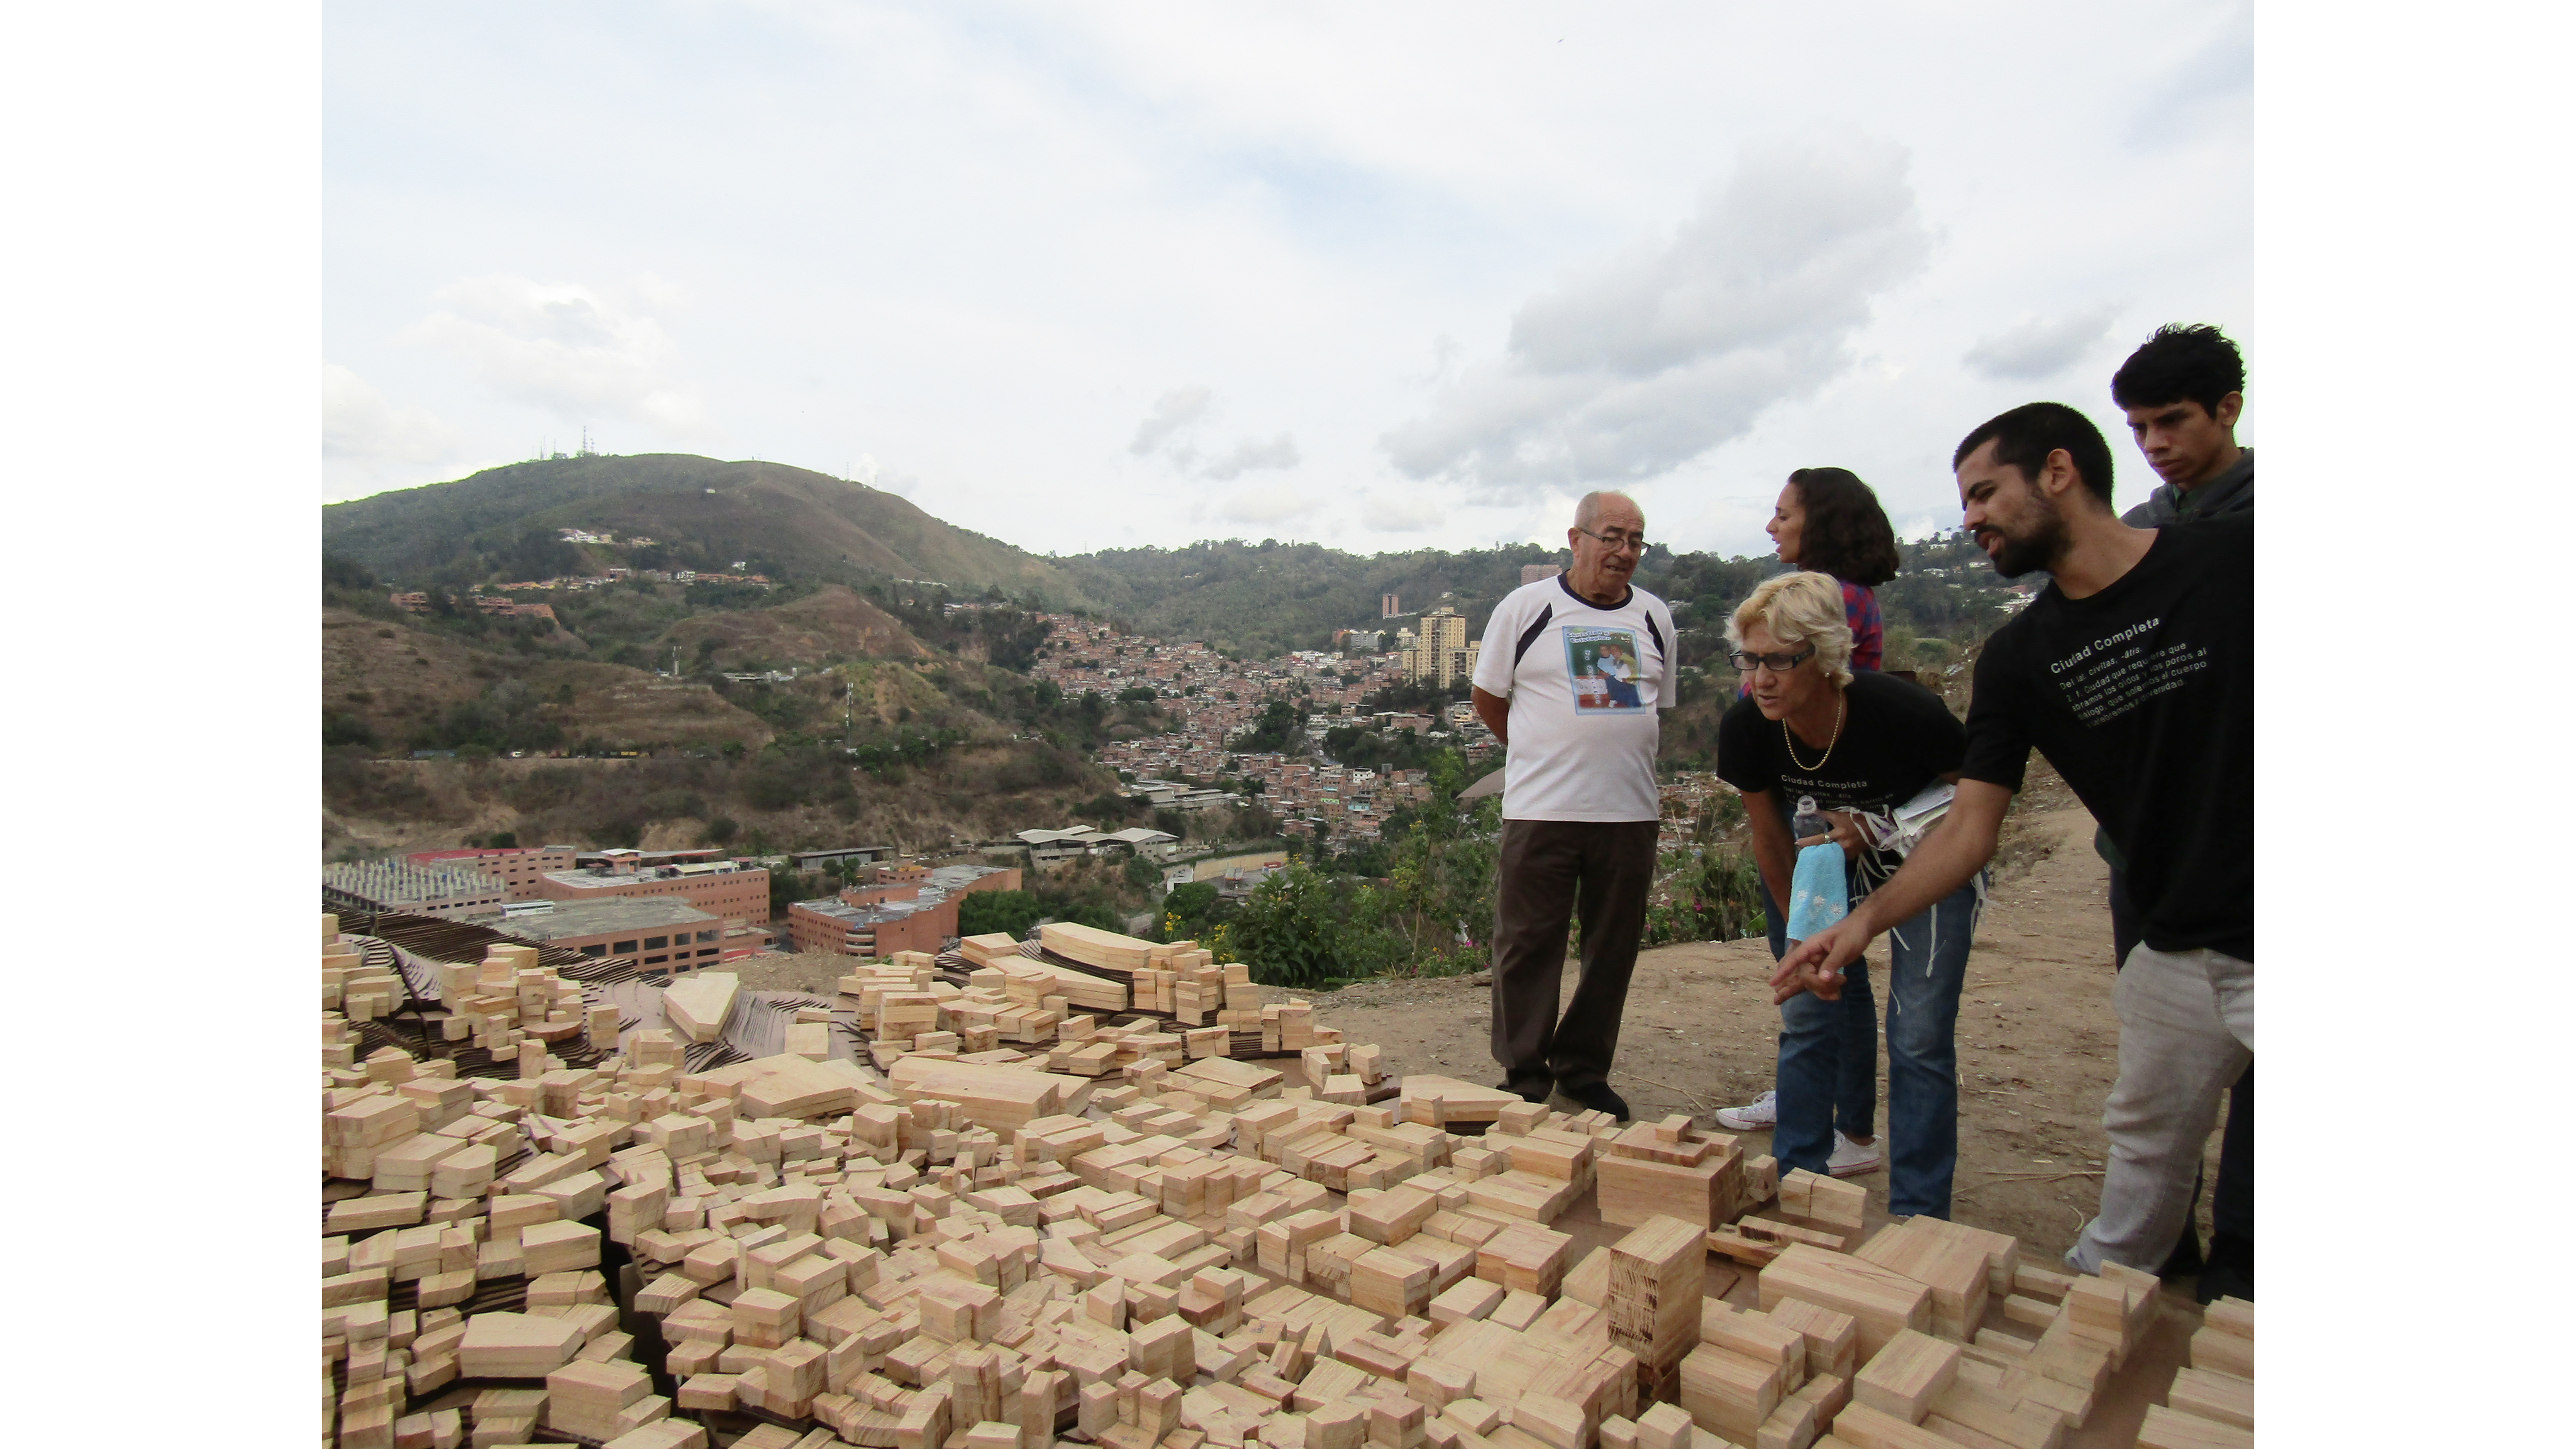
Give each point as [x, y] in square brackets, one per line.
[1441, 654]
[1532, 573]
[1389, 606]
[517, 869]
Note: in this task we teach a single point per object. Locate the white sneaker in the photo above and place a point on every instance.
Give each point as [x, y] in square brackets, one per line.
[1851, 1159]
[1761, 1116]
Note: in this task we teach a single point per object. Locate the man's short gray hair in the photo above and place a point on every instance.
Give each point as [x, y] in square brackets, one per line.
[1588, 508]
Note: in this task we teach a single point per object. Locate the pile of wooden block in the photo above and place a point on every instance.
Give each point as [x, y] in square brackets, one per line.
[507, 1002]
[2210, 1404]
[1057, 994]
[351, 987]
[1111, 1240]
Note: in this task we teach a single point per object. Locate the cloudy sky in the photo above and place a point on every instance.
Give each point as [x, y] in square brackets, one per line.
[1379, 276]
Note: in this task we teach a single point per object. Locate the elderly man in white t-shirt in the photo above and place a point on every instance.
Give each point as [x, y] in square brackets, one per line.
[1570, 677]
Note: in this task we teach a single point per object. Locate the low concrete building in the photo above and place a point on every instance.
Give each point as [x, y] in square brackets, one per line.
[653, 934]
[517, 868]
[398, 885]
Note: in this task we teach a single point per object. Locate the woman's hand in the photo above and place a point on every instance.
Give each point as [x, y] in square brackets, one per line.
[1841, 831]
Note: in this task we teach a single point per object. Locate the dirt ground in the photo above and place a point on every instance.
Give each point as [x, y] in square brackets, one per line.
[2038, 1044]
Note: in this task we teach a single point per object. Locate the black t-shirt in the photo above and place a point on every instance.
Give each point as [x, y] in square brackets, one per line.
[2142, 696]
[1897, 738]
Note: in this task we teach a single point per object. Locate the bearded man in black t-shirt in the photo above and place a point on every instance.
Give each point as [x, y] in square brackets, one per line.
[2133, 672]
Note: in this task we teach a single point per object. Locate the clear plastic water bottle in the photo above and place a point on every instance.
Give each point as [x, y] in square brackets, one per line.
[1809, 821]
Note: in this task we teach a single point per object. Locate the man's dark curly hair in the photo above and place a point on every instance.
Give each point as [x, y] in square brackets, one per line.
[2183, 362]
[1847, 534]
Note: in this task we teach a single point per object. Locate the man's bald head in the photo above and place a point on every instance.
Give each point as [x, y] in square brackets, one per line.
[1587, 510]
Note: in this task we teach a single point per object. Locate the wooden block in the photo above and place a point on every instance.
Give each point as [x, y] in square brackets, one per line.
[1728, 1393]
[2166, 1429]
[1757, 1336]
[1552, 1421]
[1791, 1426]
[1866, 1428]
[1588, 1282]
[1905, 1376]
[1630, 1189]
[1993, 1415]
[1955, 1270]
[1657, 1273]
[1391, 1282]
[516, 1345]
[2231, 1316]
[2210, 1394]
[1883, 1304]
[1832, 1339]
[1394, 1215]
[1518, 1310]
[2214, 1348]
[1469, 1299]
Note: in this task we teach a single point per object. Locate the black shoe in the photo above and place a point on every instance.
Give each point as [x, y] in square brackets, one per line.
[1599, 1098]
[1539, 1093]
[2185, 1260]
[2230, 1272]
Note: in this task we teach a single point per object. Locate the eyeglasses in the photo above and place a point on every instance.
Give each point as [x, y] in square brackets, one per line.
[1776, 663]
[1617, 541]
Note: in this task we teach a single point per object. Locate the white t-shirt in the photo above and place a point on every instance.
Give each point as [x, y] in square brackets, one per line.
[1584, 683]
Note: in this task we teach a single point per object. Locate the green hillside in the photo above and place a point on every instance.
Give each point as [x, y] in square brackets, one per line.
[501, 524]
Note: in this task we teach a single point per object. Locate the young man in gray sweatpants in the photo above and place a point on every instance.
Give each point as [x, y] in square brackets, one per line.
[2133, 672]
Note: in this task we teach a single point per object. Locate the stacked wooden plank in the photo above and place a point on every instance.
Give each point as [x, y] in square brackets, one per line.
[1108, 1239]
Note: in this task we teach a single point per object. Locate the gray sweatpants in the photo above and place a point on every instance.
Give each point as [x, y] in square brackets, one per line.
[2186, 1033]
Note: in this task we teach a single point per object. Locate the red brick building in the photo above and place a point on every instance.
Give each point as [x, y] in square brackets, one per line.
[516, 868]
[737, 893]
[917, 912]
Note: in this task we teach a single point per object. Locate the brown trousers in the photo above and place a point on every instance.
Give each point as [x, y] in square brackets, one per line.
[1546, 870]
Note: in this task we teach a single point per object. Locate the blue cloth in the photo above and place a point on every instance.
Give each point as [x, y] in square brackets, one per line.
[1818, 895]
[1819, 1040]
[1856, 1075]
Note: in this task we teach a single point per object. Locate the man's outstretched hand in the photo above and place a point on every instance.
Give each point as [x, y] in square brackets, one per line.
[1816, 963]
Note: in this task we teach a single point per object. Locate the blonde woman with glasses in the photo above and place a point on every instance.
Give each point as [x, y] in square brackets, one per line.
[1811, 729]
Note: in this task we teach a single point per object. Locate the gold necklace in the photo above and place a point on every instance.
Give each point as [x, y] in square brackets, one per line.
[1791, 741]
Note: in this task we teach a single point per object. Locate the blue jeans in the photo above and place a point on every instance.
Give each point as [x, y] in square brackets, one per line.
[1927, 964]
[1855, 1099]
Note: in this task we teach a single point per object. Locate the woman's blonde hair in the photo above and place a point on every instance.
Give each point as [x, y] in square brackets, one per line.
[1799, 608]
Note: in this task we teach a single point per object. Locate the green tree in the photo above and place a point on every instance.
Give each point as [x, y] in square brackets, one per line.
[1010, 913]
[1290, 930]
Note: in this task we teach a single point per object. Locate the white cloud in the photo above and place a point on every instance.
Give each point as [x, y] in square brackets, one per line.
[1170, 426]
[2036, 348]
[565, 348]
[1275, 503]
[360, 427]
[1404, 512]
[1252, 456]
[1173, 412]
[1642, 363]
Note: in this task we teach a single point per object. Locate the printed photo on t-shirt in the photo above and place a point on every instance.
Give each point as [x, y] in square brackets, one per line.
[1605, 664]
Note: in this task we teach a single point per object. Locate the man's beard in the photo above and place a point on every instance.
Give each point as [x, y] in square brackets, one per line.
[2033, 551]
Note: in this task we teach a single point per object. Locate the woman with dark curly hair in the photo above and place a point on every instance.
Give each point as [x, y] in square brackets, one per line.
[1828, 522]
